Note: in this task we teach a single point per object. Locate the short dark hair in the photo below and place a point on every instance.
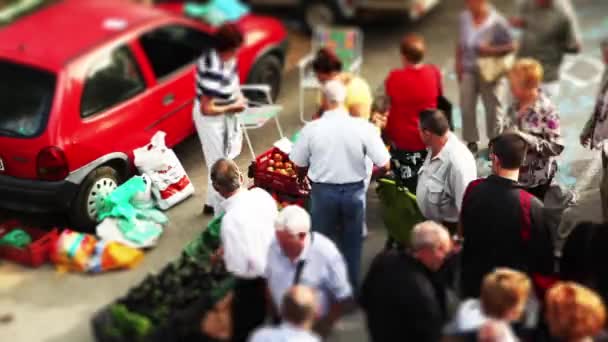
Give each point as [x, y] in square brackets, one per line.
[434, 121]
[413, 48]
[228, 38]
[225, 176]
[326, 61]
[295, 312]
[510, 149]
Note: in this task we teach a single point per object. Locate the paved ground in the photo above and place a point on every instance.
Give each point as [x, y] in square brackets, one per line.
[50, 307]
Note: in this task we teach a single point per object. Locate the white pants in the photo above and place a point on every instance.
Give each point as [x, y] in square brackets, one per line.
[221, 137]
[551, 89]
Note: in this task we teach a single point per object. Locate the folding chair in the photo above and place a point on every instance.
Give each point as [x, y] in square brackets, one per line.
[261, 110]
[346, 42]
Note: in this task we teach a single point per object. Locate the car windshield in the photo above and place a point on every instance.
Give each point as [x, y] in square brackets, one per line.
[11, 10]
[26, 95]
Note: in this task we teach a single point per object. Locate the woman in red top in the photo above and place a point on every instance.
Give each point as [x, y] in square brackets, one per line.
[409, 90]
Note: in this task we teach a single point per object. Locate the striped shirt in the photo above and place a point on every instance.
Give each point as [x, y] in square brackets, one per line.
[217, 79]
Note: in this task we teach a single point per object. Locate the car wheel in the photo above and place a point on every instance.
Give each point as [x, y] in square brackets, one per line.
[95, 187]
[320, 13]
[267, 70]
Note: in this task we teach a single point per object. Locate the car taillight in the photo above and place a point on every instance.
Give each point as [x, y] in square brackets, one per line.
[51, 164]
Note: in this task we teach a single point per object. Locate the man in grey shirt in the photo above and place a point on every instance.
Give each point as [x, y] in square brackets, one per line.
[548, 33]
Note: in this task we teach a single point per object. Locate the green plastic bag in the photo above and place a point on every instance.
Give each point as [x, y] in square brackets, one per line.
[140, 231]
[399, 210]
[17, 238]
[118, 203]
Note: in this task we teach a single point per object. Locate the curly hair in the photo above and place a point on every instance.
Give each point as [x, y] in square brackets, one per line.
[574, 311]
[228, 38]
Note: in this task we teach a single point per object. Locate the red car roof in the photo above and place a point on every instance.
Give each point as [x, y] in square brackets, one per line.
[53, 35]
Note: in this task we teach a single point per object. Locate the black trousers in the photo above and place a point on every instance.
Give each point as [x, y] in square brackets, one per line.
[248, 307]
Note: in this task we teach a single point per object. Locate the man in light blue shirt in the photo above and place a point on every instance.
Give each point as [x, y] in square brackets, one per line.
[334, 148]
[298, 256]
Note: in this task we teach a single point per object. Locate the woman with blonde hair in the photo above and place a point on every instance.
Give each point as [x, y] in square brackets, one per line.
[574, 313]
[534, 117]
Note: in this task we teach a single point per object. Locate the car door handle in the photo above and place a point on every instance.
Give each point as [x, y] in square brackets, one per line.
[168, 99]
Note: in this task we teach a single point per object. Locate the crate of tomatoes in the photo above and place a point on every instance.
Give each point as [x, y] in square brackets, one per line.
[273, 171]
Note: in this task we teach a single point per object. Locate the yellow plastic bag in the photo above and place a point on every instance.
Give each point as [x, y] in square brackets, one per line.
[118, 256]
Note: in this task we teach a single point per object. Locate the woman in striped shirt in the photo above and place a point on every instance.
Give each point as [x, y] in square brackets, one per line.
[218, 100]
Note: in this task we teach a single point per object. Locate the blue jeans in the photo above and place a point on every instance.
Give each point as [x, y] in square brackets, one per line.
[338, 212]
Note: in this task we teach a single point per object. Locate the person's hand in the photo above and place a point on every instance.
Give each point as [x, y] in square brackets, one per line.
[485, 49]
[458, 69]
[217, 256]
[240, 105]
[379, 119]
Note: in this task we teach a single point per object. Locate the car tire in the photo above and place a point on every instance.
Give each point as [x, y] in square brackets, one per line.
[320, 13]
[268, 70]
[97, 184]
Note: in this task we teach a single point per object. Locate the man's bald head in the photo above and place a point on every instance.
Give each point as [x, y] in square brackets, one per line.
[299, 306]
[225, 176]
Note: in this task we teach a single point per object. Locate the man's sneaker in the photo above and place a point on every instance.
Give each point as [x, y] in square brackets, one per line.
[473, 147]
[208, 210]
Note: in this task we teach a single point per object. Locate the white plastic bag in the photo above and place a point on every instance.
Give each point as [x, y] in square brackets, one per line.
[109, 230]
[144, 200]
[170, 183]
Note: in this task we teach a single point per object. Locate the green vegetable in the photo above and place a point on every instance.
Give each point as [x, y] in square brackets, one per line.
[130, 324]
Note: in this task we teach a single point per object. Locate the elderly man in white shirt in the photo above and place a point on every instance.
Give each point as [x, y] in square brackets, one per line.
[298, 310]
[247, 230]
[447, 170]
[298, 256]
[335, 149]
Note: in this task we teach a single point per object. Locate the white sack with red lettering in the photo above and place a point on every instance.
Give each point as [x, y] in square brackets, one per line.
[170, 183]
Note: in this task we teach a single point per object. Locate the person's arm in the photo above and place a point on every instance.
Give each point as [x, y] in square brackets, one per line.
[458, 68]
[550, 143]
[571, 29]
[341, 292]
[506, 43]
[376, 150]
[325, 325]
[210, 107]
[496, 50]
[300, 154]
[380, 106]
[542, 238]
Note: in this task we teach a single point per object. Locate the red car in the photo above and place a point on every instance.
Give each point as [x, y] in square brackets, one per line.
[84, 82]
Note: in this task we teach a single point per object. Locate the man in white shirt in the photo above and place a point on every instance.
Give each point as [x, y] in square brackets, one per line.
[298, 310]
[335, 148]
[298, 256]
[446, 172]
[246, 233]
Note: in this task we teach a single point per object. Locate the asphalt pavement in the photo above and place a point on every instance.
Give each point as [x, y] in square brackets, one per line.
[52, 307]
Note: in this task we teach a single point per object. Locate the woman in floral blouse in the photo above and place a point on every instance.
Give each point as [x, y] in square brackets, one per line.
[536, 119]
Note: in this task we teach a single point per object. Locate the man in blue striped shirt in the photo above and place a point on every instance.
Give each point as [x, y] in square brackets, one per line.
[218, 101]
